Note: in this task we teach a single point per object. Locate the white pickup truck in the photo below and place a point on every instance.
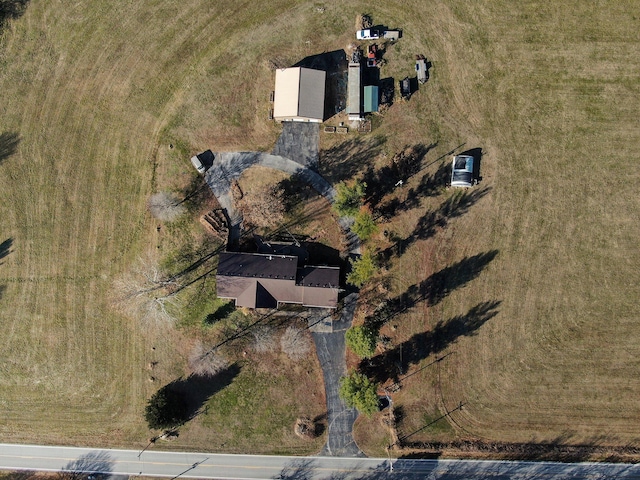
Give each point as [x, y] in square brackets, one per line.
[368, 34]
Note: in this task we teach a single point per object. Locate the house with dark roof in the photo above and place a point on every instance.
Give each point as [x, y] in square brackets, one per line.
[256, 280]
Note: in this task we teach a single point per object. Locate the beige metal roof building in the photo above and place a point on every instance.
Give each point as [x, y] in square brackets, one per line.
[299, 95]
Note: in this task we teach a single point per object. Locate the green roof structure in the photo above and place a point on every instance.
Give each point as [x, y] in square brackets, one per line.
[370, 98]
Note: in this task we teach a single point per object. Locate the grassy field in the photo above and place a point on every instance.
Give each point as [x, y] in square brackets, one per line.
[97, 93]
[548, 94]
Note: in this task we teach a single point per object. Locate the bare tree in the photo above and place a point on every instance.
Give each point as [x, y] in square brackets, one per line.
[146, 293]
[295, 343]
[204, 362]
[264, 339]
[165, 206]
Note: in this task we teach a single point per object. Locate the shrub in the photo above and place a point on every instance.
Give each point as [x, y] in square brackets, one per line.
[362, 340]
[364, 226]
[165, 207]
[358, 391]
[349, 198]
[362, 269]
[305, 428]
[205, 363]
[264, 339]
[295, 343]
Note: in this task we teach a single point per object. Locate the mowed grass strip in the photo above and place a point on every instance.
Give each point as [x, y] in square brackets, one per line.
[559, 359]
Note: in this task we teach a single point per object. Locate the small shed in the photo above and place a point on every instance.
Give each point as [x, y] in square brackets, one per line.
[371, 98]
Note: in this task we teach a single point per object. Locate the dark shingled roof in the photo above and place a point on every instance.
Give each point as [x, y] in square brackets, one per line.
[325, 277]
[254, 265]
[256, 280]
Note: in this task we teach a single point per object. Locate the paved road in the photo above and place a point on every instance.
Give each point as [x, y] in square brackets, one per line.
[122, 463]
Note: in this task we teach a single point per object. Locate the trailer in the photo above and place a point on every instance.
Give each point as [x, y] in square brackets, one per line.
[392, 35]
[421, 68]
[354, 99]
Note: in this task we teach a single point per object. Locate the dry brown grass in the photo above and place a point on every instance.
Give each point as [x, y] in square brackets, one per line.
[552, 107]
[96, 94]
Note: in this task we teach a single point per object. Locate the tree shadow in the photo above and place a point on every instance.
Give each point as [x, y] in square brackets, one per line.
[431, 184]
[476, 153]
[320, 424]
[220, 314]
[5, 248]
[403, 166]
[197, 390]
[295, 192]
[95, 465]
[344, 160]
[302, 469]
[197, 193]
[433, 289]
[387, 91]
[11, 9]
[9, 141]
[385, 366]
[456, 205]
[403, 469]
[196, 260]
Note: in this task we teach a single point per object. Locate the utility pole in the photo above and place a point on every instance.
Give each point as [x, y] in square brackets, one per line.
[151, 442]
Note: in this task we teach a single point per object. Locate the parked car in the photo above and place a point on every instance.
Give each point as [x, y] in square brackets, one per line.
[369, 34]
[462, 171]
[202, 161]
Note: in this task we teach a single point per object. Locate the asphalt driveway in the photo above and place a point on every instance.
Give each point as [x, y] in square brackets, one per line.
[299, 142]
[330, 348]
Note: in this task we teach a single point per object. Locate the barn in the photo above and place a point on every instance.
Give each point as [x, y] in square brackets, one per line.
[299, 95]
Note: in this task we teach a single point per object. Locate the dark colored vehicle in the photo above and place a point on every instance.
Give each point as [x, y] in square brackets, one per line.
[462, 171]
